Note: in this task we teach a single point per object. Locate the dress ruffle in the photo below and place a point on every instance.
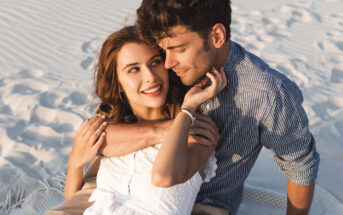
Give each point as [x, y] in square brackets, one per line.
[210, 169]
[105, 203]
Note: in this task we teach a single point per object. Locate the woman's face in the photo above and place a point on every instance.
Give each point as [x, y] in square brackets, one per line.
[142, 76]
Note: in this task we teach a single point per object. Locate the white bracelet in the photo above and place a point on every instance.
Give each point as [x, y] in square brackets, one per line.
[190, 115]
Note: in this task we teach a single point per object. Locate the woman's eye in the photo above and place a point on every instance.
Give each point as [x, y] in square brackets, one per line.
[156, 62]
[135, 69]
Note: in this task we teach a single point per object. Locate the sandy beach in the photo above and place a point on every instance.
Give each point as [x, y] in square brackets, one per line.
[47, 56]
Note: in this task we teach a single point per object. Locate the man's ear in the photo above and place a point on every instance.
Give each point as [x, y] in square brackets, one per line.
[218, 35]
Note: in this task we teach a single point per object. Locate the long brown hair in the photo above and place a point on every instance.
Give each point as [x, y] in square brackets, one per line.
[113, 103]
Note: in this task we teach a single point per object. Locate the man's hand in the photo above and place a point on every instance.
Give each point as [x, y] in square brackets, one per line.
[204, 131]
[123, 138]
[299, 198]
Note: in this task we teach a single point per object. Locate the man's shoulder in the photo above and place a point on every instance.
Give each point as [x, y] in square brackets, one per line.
[250, 73]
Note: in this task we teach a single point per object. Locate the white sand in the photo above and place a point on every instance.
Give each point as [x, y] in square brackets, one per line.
[47, 52]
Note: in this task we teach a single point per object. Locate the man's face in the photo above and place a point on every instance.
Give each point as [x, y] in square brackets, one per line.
[187, 55]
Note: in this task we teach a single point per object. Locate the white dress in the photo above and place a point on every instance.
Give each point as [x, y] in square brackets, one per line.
[124, 187]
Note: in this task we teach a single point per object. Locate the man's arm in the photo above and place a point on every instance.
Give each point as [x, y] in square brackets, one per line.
[122, 138]
[285, 129]
[299, 198]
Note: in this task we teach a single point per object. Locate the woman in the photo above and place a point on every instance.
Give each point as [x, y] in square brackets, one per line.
[133, 85]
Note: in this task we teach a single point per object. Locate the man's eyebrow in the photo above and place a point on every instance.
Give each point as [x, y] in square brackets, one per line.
[136, 63]
[177, 46]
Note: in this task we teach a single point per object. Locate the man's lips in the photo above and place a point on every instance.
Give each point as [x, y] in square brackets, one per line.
[180, 73]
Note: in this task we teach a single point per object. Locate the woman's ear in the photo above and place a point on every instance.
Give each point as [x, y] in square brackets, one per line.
[218, 35]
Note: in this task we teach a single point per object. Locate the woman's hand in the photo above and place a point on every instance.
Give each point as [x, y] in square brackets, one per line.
[87, 141]
[198, 95]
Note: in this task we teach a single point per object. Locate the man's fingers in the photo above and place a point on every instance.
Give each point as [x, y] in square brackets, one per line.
[205, 133]
[201, 140]
[205, 122]
[204, 126]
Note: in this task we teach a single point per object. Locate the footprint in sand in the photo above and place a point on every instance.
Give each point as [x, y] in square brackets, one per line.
[2, 82]
[337, 74]
[48, 99]
[14, 131]
[30, 87]
[92, 46]
[325, 110]
[5, 109]
[31, 73]
[317, 16]
[339, 45]
[76, 98]
[25, 161]
[339, 127]
[87, 63]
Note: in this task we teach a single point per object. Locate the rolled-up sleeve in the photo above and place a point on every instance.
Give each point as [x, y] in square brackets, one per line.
[285, 129]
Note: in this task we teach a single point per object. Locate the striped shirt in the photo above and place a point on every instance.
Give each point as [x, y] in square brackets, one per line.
[259, 107]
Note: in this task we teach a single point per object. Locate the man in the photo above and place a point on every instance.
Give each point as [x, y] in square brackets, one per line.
[259, 107]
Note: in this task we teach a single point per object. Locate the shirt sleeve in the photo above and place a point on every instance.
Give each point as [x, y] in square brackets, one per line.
[285, 129]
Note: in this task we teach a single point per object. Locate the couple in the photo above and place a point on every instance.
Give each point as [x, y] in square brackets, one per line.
[259, 107]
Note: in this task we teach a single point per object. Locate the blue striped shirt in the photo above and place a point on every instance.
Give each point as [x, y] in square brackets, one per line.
[259, 107]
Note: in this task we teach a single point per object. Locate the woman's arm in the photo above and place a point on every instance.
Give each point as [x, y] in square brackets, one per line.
[177, 161]
[87, 142]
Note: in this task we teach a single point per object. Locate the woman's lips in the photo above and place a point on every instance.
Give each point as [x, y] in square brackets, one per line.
[153, 90]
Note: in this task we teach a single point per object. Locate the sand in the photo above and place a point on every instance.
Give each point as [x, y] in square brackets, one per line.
[47, 54]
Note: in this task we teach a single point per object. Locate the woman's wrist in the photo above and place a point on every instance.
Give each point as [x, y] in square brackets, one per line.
[74, 164]
[189, 108]
[189, 115]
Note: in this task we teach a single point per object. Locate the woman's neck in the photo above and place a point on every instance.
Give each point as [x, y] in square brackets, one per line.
[148, 114]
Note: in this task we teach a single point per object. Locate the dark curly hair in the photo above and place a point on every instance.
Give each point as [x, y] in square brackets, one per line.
[113, 103]
[155, 17]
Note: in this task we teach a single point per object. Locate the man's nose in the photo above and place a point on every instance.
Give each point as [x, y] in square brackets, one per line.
[170, 61]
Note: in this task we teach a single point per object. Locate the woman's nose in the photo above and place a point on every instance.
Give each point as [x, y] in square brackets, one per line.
[149, 75]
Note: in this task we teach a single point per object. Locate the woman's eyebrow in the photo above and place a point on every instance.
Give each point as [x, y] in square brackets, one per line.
[136, 63]
[156, 55]
[130, 64]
